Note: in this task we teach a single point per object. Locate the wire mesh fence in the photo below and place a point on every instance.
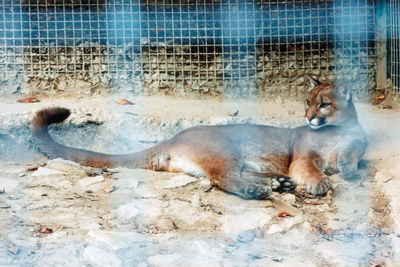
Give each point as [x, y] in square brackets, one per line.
[183, 47]
[395, 44]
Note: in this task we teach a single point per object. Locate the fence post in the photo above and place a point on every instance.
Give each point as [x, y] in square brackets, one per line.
[381, 9]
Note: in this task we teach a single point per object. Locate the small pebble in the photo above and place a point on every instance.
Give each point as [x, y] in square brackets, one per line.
[246, 236]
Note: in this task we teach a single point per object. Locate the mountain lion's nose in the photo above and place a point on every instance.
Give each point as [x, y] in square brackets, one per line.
[309, 118]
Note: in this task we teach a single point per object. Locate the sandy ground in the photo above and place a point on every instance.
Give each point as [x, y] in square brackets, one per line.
[60, 213]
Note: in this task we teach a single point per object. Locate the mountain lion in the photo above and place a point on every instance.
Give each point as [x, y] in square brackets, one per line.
[247, 160]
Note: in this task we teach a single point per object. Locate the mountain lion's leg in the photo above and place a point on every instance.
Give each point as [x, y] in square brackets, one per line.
[278, 182]
[348, 159]
[226, 175]
[305, 169]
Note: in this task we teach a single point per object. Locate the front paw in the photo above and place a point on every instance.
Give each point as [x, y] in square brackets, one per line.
[348, 170]
[319, 187]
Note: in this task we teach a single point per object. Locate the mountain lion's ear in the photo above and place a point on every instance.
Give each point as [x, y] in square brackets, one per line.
[344, 91]
[311, 82]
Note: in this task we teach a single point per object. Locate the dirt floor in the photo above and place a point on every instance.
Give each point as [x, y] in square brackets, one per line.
[56, 212]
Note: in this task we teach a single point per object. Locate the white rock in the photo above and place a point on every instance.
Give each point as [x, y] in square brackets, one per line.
[127, 211]
[100, 257]
[63, 161]
[306, 226]
[66, 166]
[131, 183]
[114, 240]
[179, 180]
[238, 223]
[127, 177]
[41, 171]
[164, 260]
[8, 184]
[289, 198]
[12, 171]
[90, 180]
[142, 264]
[205, 181]
[274, 229]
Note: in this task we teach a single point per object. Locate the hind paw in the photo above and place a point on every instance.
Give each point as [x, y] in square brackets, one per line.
[283, 184]
[255, 191]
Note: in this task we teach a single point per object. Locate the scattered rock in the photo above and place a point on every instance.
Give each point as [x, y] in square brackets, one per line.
[259, 233]
[90, 180]
[273, 229]
[289, 198]
[8, 184]
[12, 171]
[100, 257]
[14, 250]
[128, 211]
[142, 264]
[108, 188]
[131, 183]
[114, 240]
[94, 171]
[179, 180]
[66, 166]
[42, 171]
[125, 176]
[238, 223]
[230, 241]
[61, 161]
[164, 260]
[246, 236]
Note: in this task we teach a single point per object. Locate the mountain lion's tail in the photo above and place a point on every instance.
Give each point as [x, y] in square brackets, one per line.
[52, 149]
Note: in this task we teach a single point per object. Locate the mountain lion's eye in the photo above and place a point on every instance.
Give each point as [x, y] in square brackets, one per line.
[324, 105]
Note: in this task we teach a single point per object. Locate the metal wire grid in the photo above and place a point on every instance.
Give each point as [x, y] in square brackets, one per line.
[188, 45]
[395, 44]
[179, 48]
[330, 39]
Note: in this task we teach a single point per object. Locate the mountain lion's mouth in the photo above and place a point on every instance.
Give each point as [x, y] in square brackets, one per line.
[316, 123]
[316, 126]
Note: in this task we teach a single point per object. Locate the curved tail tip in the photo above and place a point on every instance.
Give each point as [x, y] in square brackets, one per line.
[48, 116]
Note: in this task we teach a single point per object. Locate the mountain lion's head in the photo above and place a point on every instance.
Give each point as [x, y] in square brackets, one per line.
[327, 104]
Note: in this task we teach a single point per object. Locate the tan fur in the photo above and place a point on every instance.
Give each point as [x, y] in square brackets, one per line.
[247, 160]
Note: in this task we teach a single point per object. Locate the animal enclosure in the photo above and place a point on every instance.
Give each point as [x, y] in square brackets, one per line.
[180, 64]
[197, 47]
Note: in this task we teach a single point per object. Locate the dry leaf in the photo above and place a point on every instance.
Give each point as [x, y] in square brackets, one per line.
[31, 169]
[13, 250]
[46, 230]
[234, 114]
[284, 214]
[124, 102]
[108, 188]
[380, 97]
[28, 100]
